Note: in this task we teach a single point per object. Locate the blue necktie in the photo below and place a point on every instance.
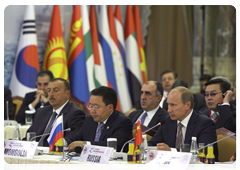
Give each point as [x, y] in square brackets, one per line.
[143, 118]
[48, 129]
[99, 131]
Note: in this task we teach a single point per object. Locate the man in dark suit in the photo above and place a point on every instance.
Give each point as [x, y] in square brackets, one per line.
[73, 116]
[183, 123]
[104, 122]
[34, 100]
[151, 113]
[218, 96]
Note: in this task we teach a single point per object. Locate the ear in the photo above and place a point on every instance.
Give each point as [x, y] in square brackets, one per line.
[159, 98]
[188, 104]
[110, 106]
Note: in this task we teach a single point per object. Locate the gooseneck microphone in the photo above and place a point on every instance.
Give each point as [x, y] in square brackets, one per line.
[217, 141]
[65, 130]
[159, 123]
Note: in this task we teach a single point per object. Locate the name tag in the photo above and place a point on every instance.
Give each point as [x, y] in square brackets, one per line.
[166, 157]
[95, 154]
[21, 149]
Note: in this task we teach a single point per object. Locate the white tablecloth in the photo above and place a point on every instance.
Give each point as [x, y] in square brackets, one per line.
[9, 131]
[52, 162]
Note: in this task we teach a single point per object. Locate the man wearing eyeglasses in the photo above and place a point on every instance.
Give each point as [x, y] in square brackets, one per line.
[103, 122]
[217, 96]
[34, 100]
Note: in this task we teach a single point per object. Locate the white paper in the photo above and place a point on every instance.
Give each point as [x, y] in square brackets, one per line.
[167, 157]
[20, 149]
[95, 154]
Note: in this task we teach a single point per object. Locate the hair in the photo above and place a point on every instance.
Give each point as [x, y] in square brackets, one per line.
[44, 73]
[159, 88]
[180, 82]
[222, 81]
[109, 95]
[66, 83]
[186, 95]
[169, 71]
[205, 77]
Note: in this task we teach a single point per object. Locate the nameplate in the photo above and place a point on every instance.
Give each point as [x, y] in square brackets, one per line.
[95, 154]
[167, 157]
[20, 149]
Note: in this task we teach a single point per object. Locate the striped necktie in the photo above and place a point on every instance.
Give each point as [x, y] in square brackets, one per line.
[99, 131]
[179, 136]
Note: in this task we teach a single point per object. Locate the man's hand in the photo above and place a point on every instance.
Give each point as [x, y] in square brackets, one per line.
[228, 97]
[75, 144]
[163, 147]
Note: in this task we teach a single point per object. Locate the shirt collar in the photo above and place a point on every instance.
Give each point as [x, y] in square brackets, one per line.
[186, 120]
[58, 111]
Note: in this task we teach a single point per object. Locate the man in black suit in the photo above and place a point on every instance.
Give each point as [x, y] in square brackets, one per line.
[8, 97]
[34, 100]
[73, 116]
[104, 122]
[151, 113]
[183, 123]
[218, 96]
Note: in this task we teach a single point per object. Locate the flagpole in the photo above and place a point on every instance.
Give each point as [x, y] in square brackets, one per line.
[62, 139]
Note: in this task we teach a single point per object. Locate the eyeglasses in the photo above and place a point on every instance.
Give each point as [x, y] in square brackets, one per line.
[94, 107]
[211, 94]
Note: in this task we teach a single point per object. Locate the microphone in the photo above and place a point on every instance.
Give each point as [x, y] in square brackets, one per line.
[65, 130]
[217, 141]
[159, 123]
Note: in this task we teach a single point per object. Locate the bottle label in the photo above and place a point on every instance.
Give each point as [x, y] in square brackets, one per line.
[131, 158]
[139, 158]
[210, 161]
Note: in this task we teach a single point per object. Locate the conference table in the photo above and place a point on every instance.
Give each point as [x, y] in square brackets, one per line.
[52, 162]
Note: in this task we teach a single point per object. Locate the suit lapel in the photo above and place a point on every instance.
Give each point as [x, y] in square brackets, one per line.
[136, 115]
[155, 118]
[190, 127]
[172, 132]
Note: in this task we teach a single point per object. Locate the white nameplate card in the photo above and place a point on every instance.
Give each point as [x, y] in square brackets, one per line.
[95, 154]
[20, 149]
[167, 157]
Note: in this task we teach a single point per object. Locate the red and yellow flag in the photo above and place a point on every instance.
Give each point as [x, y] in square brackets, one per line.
[138, 136]
[140, 43]
[55, 55]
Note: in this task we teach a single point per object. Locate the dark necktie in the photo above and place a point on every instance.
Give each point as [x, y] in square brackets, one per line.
[48, 129]
[214, 116]
[99, 131]
[179, 136]
[143, 118]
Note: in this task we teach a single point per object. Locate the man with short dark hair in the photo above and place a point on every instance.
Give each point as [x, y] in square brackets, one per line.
[167, 78]
[183, 123]
[73, 116]
[151, 113]
[104, 122]
[34, 100]
[218, 96]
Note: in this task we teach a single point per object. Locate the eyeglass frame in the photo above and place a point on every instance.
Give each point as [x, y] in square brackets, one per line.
[212, 94]
[94, 107]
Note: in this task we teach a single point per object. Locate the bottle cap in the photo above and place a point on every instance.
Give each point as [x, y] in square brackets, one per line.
[194, 138]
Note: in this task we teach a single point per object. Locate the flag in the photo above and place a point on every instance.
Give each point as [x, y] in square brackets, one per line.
[26, 66]
[122, 86]
[100, 78]
[138, 136]
[55, 55]
[120, 36]
[77, 58]
[88, 48]
[105, 40]
[56, 133]
[140, 43]
[132, 57]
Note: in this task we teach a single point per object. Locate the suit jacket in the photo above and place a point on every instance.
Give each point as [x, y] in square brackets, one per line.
[227, 118]
[199, 126]
[8, 97]
[159, 116]
[199, 102]
[29, 98]
[117, 126]
[73, 116]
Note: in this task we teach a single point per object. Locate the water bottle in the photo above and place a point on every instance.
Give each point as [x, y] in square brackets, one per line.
[194, 149]
[16, 133]
[144, 148]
